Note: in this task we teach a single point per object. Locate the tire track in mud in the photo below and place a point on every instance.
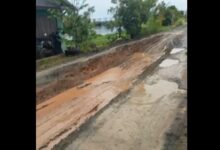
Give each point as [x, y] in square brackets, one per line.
[75, 74]
[119, 101]
[147, 69]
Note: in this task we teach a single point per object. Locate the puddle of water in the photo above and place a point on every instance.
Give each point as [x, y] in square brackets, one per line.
[77, 104]
[176, 50]
[168, 62]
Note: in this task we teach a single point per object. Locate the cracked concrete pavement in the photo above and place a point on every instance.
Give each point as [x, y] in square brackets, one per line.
[151, 116]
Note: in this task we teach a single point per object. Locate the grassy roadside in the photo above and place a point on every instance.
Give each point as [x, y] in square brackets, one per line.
[99, 43]
[49, 62]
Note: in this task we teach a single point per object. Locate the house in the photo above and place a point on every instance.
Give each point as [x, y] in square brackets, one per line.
[47, 25]
[43, 23]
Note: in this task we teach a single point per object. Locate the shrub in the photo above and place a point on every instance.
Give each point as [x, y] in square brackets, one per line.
[152, 26]
[180, 22]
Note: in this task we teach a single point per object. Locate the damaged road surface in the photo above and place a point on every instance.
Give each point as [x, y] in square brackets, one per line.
[124, 98]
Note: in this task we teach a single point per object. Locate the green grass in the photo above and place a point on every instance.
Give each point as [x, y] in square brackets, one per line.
[96, 43]
[152, 26]
[100, 42]
[180, 22]
[52, 61]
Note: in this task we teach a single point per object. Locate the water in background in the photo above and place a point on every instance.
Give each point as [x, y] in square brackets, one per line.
[103, 30]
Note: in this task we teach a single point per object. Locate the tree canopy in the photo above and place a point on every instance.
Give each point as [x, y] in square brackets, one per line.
[131, 14]
[75, 23]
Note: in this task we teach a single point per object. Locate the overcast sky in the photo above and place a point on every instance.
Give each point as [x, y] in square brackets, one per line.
[101, 6]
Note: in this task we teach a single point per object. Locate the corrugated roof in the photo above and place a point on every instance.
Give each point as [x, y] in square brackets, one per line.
[52, 3]
[46, 3]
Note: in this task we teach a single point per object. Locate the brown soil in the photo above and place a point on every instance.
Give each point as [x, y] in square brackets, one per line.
[76, 74]
[81, 90]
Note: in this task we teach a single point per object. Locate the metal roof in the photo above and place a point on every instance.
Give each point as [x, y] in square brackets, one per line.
[46, 3]
[51, 3]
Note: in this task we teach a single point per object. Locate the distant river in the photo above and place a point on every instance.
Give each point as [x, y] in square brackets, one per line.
[104, 30]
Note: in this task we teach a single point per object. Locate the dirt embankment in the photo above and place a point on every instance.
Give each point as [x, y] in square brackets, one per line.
[152, 114]
[75, 74]
[80, 90]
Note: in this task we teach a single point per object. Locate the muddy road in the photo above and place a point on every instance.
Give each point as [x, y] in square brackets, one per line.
[129, 97]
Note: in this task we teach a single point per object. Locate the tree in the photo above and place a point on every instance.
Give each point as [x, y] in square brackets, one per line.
[75, 23]
[131, 14]
[159, 13]
[117, 22]
[167, 15]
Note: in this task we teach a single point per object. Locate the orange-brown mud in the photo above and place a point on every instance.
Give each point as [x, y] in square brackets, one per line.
[64, 105]
[74, 106]
[75, 75]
